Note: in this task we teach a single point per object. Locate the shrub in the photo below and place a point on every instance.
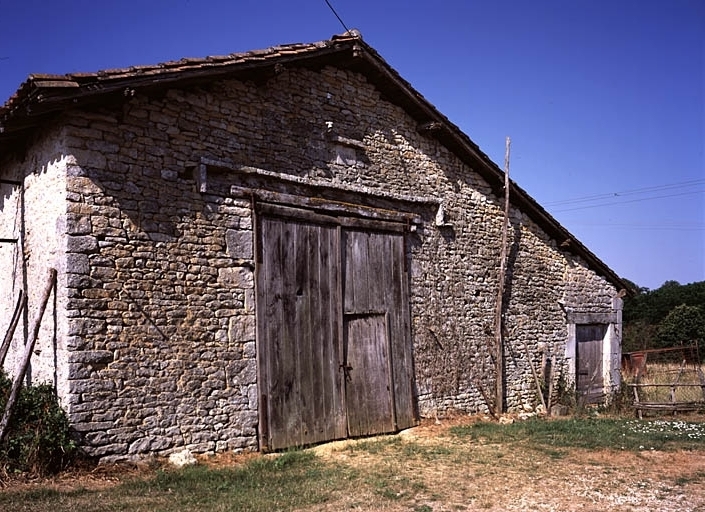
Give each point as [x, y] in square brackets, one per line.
[38, 439]
[622, 399]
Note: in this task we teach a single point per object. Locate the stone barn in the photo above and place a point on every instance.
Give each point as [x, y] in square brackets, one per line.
[278, 248]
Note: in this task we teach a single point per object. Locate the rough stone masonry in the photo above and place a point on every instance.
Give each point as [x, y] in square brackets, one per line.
[151, 337]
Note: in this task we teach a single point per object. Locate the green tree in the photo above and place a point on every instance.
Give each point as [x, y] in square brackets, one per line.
[682, 326]
[638, 335]
[647, 309]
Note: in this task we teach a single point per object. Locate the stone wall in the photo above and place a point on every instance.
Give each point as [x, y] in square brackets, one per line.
[163, 312]
[33, 213]
[159, 276]
[588, 299]
[11, 268]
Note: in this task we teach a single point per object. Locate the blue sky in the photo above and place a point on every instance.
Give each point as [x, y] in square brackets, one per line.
[602, 99]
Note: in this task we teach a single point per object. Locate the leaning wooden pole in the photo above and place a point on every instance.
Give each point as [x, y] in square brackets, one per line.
[499, 341]
[28, 349]
[21, 304]
[536, 377]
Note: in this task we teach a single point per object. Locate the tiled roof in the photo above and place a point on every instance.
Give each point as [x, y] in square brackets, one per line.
[40, 91]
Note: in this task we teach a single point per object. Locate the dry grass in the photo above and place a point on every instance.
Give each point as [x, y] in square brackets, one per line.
[462, 464]
[671, 383]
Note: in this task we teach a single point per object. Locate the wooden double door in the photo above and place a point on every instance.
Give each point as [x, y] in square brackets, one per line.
[334, 349]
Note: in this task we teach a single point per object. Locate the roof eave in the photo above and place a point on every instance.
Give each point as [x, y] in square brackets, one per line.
[42, 95]
[451, 135]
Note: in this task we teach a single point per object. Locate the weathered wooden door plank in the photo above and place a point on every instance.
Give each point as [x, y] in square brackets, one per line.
[305, 401]
[403, 367]
[286, 385]
[332, 413]
[299, 334]
[368, 393]
[589, 379]
[373, 291]
[270, 318]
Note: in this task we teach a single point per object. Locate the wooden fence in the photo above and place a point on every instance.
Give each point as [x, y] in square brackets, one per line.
[668, 389]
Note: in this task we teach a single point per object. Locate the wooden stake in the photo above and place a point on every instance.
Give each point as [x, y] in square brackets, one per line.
[499, 342]
[536, 378]
[549, 377]
[16, 315]
[675, 383]
[488, 403]
[28, 349]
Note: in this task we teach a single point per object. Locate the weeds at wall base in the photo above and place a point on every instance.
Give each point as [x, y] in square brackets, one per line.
[38, 441]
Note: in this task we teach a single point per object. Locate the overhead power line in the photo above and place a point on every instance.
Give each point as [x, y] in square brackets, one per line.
[600, 205]
[625, 193]
[644, 227]
[336, 15]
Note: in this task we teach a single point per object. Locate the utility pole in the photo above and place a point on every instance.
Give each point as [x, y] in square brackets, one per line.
[499, 340]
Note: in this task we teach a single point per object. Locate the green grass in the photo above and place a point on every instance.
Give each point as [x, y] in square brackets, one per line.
[277, 481]
[590, 433]
[396, 445]
[288, 482]
[696, 478]
[377, 473]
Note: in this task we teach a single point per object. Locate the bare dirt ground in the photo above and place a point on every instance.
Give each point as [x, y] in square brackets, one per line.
[513, 478]
[448, 473]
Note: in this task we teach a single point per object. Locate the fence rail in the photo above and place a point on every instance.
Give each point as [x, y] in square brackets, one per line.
[685, 392]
